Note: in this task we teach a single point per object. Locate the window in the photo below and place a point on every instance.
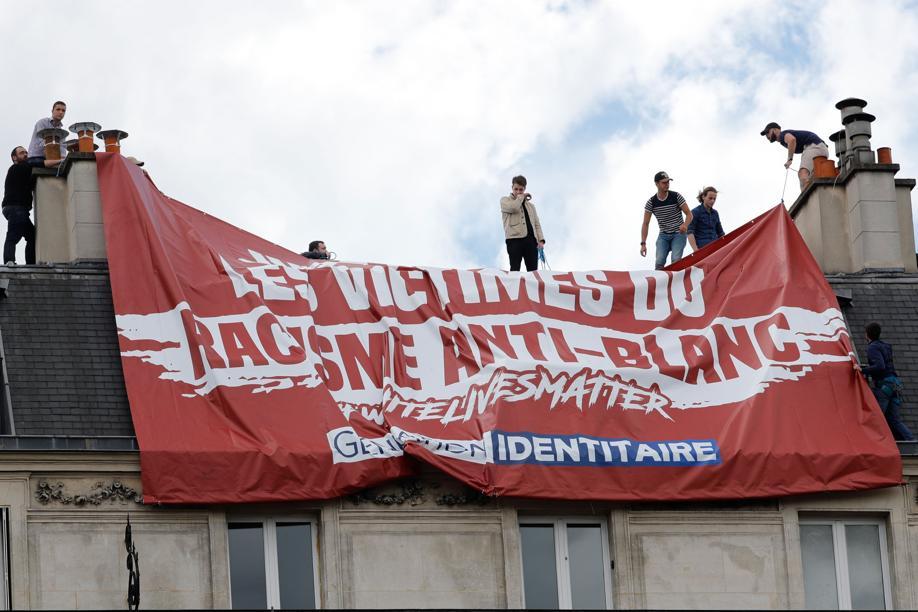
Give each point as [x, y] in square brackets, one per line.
[272, 563]
[844, 564]
[566, 563]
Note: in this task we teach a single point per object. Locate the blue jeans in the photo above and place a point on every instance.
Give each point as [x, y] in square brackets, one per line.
[669, 243]
[889, 400]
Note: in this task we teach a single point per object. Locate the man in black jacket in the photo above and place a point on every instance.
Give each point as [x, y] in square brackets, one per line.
[17, 202]
[886, 384]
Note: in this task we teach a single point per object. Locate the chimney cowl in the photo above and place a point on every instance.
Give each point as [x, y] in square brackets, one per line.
[85, 126]
[866, 117]
[848, 102]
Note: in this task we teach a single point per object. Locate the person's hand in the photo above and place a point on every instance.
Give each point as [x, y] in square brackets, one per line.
[541, 243]
[788, 163]
[683, 228]
[643, 250]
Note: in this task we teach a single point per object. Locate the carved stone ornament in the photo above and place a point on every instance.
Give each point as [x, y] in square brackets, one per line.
[468, 497]
[410, 492]
[414, 493]
[45, 493]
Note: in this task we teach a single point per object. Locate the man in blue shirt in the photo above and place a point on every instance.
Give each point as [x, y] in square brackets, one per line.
[886, 383]
[808, 144]
[705, 227]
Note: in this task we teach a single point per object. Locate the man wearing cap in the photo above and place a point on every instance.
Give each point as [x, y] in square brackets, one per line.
[667, 206]
[808, 144]
[37, 144]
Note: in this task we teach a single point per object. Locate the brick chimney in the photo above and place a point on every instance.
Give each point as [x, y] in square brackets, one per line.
[859, 217]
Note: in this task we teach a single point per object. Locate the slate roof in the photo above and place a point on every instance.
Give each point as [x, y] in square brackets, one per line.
[64, 369]
[61, 352]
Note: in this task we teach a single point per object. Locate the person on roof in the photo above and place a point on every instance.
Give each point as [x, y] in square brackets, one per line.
[886, 384]
[17, 202]
[317, 250]
[705, 227]
[667, 206]
[37, 144]
[522, 229]
[808, 144]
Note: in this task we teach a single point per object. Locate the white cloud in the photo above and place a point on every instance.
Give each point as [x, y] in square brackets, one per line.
[391, 129]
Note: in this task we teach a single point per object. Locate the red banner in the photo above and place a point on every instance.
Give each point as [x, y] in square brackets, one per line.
[257, 375]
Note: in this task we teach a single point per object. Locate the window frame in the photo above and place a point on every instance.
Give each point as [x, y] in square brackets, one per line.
[562, 562]
[840, 551]
[272, 573]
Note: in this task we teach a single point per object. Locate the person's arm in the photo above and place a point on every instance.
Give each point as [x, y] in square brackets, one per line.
[720, 228]
[509, 204]
[791, 144]
[688, 218]
[644, 227]
[692, 243]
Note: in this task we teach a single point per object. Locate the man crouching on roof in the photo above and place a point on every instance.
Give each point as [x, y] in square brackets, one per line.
[521, 226]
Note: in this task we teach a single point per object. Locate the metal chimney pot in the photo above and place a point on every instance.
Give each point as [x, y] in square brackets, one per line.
[857, 126]
[85, 131]
[53, 138]
[840, 140]
[850, 106]
[112, 139]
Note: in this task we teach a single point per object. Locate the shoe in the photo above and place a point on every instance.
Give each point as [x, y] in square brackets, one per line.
[10, 263]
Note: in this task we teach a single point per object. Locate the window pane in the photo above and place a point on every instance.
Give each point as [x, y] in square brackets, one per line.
[540, 577]
[294, 566]
[247, 565]
[865, 570]
[819, 567]
[588, 585]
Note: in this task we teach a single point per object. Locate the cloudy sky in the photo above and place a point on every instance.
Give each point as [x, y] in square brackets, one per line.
[391, 129]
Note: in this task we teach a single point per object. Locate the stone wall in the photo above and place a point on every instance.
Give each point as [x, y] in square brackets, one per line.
[429, 543]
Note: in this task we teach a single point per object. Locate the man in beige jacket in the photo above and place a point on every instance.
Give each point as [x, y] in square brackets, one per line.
[521, 226]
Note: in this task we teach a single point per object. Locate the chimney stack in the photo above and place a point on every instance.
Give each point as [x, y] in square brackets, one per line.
[860, 220]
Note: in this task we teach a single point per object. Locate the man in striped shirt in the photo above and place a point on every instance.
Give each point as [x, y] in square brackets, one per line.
[667, 206]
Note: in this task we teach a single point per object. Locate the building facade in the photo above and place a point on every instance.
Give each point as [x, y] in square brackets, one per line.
[70, 473]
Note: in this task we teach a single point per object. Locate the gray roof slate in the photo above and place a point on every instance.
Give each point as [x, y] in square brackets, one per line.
[61, 352]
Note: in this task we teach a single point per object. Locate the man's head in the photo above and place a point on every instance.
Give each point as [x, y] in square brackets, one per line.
[662, 180]
[58, 109]
[771, 131]
[518, 186]
[707, 196]
[19, 155]
[318, 246]
[873, 331]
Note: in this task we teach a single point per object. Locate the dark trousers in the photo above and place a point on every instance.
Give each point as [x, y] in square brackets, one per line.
[523, 248]
[19, 226]
[890, 401]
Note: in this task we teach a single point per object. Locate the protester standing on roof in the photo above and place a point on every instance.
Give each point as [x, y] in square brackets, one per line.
[522, 229]
[667, 206]
[886, 384]
[17, 202]
[37, 144]
[808, 144]
[705, 227]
